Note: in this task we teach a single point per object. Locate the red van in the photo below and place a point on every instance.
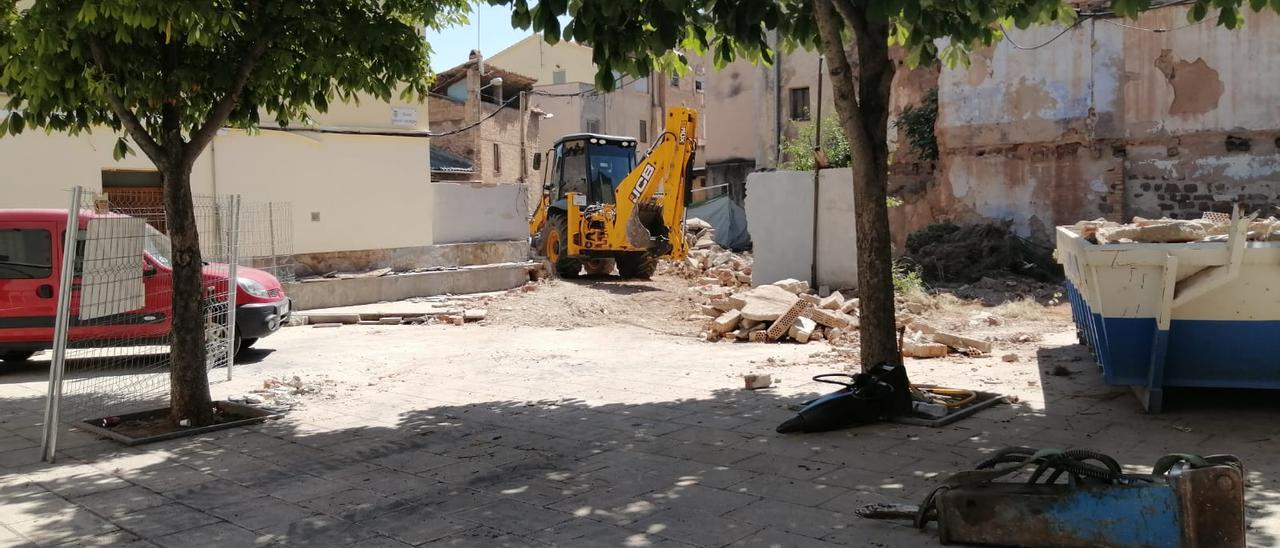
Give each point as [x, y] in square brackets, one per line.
[31, 244]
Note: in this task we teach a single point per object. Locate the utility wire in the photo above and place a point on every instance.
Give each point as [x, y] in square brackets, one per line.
[1102, 14]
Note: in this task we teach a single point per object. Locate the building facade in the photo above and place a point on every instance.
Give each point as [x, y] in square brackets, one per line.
[356, 180]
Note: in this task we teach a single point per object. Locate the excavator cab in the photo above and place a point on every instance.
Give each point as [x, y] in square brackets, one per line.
[602, 207]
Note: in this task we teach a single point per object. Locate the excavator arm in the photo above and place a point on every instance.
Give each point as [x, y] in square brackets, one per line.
[665, 166]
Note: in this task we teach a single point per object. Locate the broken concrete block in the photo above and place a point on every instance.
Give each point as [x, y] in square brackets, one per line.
[326, 325]
[834, 334]
[818, 334]
[830, 318]
[453, 319]
[802, 329]
[810, 298]
[921, 326]
[725, 305]
[710, 310]
[962, 343]
[765, 303]
[741, 334]
[785, 321]
[726, 322]
[834, 301]
[924, 349]
[474, 314]
[389, 320]
[350, 319]
[850, 306]
[743, 277]
[753, 381]
[793, 285]
[750, 324]
[1009, 358]
[758, 336]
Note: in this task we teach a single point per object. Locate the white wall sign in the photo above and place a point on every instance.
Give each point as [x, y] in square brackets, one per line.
[404, 116]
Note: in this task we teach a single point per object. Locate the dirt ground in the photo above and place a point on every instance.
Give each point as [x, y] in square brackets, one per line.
[588, 413]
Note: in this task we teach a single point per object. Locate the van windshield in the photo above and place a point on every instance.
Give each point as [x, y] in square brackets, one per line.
[158, 247]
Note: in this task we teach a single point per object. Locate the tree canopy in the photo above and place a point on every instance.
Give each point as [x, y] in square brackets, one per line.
[635, 36]
[71, 65]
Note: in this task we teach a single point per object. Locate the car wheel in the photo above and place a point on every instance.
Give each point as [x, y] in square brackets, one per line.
[247, 343]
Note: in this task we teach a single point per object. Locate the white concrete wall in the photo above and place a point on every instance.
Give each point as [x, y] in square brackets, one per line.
[475, 212]
[837, 239]
[371, 192]
[780, 217]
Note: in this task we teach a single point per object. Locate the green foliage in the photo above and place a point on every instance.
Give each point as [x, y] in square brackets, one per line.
[919, 122]
[907, 280]
[159, 58]
[636, 36]
[799, 151]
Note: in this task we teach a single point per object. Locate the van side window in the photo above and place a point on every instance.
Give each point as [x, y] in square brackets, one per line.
[25, 253]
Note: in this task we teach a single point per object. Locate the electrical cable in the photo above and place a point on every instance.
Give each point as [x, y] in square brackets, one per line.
[1101, 14]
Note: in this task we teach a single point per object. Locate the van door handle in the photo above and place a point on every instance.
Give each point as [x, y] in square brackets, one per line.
[45, 291]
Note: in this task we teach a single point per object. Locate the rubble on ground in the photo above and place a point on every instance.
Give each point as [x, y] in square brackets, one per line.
[921, 340]
[708, 263]
[1213, 227]
[281, 394]
[947, 252]
[428, 316]
[781, 311]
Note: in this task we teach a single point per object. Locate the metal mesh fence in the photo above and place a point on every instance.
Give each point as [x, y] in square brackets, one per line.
[115, 323]
[117, 358]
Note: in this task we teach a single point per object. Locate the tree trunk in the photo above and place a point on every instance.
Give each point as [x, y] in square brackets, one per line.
[862, 101]
[188, 377]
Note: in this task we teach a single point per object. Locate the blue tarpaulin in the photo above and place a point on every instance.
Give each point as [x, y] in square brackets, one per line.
[728, 219]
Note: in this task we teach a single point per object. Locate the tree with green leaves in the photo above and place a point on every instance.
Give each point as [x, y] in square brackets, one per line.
[636, 36]
[799, 151]
[166, 76]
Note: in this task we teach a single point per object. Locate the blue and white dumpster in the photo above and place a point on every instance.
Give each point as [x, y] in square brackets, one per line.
[1200, 314]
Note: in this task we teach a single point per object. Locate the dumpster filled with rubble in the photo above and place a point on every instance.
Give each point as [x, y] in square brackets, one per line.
[1165, 302]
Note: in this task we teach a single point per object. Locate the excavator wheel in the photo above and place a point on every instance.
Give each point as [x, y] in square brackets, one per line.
[555, 246]
[637, 265]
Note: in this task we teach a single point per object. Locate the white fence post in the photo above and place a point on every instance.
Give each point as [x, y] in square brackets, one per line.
[233, 258]
[62, 324]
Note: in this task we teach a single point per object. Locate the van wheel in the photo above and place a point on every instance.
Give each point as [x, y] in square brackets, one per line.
[17, 356]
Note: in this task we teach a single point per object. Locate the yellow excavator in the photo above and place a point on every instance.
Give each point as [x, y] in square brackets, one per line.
[600, 209]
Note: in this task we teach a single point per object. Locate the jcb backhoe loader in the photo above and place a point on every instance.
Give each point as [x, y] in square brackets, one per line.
[599, 208]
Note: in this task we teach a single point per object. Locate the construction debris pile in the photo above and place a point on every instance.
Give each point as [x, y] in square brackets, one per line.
[1213, 227]
[784, 310]
[708, 263]
[949, 253]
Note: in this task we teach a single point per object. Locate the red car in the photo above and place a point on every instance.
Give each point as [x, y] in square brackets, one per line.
[31, 245]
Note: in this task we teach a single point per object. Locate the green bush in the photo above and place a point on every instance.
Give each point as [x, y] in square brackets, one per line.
[799, 151]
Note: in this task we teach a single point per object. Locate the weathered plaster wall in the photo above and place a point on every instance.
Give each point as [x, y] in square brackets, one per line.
[1106, 121]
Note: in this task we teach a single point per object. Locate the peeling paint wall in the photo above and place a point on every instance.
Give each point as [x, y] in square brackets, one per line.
[1108, 120]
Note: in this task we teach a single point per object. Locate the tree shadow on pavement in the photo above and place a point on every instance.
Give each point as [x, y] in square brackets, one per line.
[401, 466]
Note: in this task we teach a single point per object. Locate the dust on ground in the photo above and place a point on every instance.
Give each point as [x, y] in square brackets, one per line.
[664, 304]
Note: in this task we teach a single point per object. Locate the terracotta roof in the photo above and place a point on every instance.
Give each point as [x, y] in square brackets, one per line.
[511, 81]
